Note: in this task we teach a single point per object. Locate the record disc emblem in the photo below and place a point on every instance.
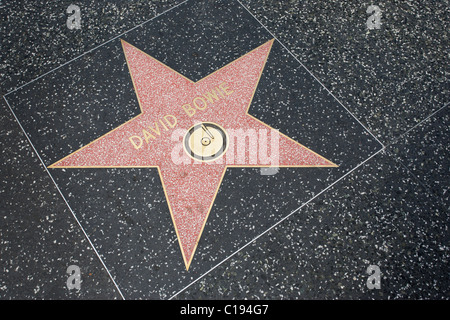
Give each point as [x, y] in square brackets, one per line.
[206, 141]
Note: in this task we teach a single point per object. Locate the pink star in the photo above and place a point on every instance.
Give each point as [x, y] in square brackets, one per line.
[170, 105]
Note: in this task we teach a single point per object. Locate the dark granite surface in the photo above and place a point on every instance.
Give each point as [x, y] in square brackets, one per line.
[300, 233]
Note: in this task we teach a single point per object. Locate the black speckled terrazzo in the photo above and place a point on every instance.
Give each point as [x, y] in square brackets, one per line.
[379, 112]
[324, 250]
[390, 78]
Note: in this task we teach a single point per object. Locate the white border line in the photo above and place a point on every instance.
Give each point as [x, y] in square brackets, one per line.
[416, 125]
[310, 73]
[57, 188]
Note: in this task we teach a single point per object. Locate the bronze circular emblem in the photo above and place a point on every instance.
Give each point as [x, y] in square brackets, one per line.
[206, 141]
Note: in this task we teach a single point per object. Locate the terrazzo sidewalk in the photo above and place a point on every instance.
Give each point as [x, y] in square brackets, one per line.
[374, 102]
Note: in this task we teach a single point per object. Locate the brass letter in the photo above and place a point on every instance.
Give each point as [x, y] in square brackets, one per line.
[134, 144]
[189, 111]
[225, 88]
[174, 119]
[203, 101]
[147, 135]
